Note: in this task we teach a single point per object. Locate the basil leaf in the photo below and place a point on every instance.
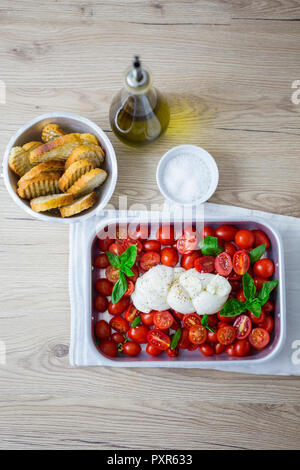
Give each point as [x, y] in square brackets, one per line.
[129, 256]
[136, 321]
[248, 287]
[127, 271]
[175, 339]
[257, 253]
[210, 247]
[233, 308]
[205, 323]
[119, 289]
[113, 259]
[265, 291]
[254, 306]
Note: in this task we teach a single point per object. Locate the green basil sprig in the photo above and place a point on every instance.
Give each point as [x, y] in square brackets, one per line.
[257, 253]
[210, 247]
[136, 321]
[235, 307]
[205, 321]
[123, 262]
[175, 339]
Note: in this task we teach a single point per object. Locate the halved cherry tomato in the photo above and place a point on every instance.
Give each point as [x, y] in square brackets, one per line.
[269, 306]
[223, 264]
[149, 259]
[230, 248]
[191, 319]
[105, 243]
[259, 338]
[131, 312]
[127, 242]
[205, 264]
[257, 320]
[152, 245]
[118, 338]
[264, 268]
[206, 349]
[102, 330]
[261, 238]
[153, 350]
[163, 320]
[207, 232]
[159, 339]
[165, 234]
[219, 348]
[104, 286]
[101, 261]
[244, 239]
[241, 262]
[112, 274]
[184, 341]
[116, 248]
[108, 347]
[119, 307]
[197, 334]
[226, 232]
[130, 288]
[101, 303]
[187, 261]
[119, 324]
[188, 241]
[147, 318]
[242, 347]
[169, 257]
[226, 335]
[268, 323]
[172, 352]
[243, 326]
[139, 333]
[138, 232]
[131, 348]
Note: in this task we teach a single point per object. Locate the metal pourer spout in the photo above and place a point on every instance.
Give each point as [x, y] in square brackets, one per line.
[137, 67]
[137, 77]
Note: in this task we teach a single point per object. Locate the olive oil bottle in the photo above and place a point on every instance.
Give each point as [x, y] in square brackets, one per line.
[139, 113]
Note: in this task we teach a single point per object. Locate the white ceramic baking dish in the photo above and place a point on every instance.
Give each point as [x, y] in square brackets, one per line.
[187, 358]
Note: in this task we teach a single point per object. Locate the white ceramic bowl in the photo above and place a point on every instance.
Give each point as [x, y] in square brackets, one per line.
[71, 123]
[200, 153]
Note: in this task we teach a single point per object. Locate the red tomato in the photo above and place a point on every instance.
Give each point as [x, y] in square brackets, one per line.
[257, 320]
[205, 264]
[197, 334]
[268, 323]
[147, 318]
[118, 338]
[104, 286]
[152, 245]
[233, 276]
[131, 348]
[130, 288]
[128, 242]
[261, 238]
[212, 320]
[105, 243]
[172, 352]
[223, 264]
[219, 348]
[269, 306]
[187, 261]
[191, 319]
[131, 312]
[121, 231]
[212, 337]
[229, 248]
[207, 232]
[139, 333]
[163, 320]
[176, 324]
[225, 319]
[242, 348]
[139, 232]
[226, 232]
[259, 338]
[119, 307]
[184, 341]
[135, 271]
[188, 241]
[153, 350]
[108, 347]
[119, 324]
[149, 259]
[169, 257]
[116, 248]
[177, 315]
[226, 335]
[102, 330]
[165, 234]
[264, 268]
[240, 296]
[112, 274]
[101, 303]
[244, 239]
[259, 282]
[230, 350]
[158, 339]
[207, 349]
[241, 262]
[243, 326]
[101, 261]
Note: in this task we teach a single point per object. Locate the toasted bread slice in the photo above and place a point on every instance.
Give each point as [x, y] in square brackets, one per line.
[41, 185]
[88, 139]
[51, 132]
[52, 201]
[57, 149]
[18, 160]
[88, 182]
[81, 204]
[73, 173]
[51, 166]
[92, 152]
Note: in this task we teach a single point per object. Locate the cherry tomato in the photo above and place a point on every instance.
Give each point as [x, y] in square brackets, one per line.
[118, 338]
[116, 248]
[244, 239]
[147, 318]
[119, 324]
[172, 352]
[243, 326]
[219, 348]
[205, 264]
[225, 319]
[176, 324]
[101, 261]
[130, 288]
[226, 335]
[207, 349]
[230, 350]
[131, 312]
[169, 257]
[233, 276]
[102, 330]
[229, 248]
[108, 347]
[139, 334]
[212, 337]
[261, 238]
[177, 315]
[165, 234]
[213, 320]
[223, 264]
[259, 282]
[197, 334]
[191, 319]
[127, 242]
[268, 323]
[226, 232]
[187, 261]
[257, 320]
[184, 341]
[105, 243]
[240, 296]
[241, 262]
[242, 348]
[207, 232]
[131, 348]
[149, 259]
[153, 350]
[112, 274]
[268, 307]
[135, 271]
[104, 286]
[264, 268]
[259, 338]
[139, 232]
[152, 245]
[188, 241]
[101, 303]
[159, 339]
[163, 320]
[119, 307]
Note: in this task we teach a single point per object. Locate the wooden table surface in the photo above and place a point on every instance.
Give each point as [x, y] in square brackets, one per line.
[228, 68]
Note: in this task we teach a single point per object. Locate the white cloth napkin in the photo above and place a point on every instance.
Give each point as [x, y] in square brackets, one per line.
[288, 360]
